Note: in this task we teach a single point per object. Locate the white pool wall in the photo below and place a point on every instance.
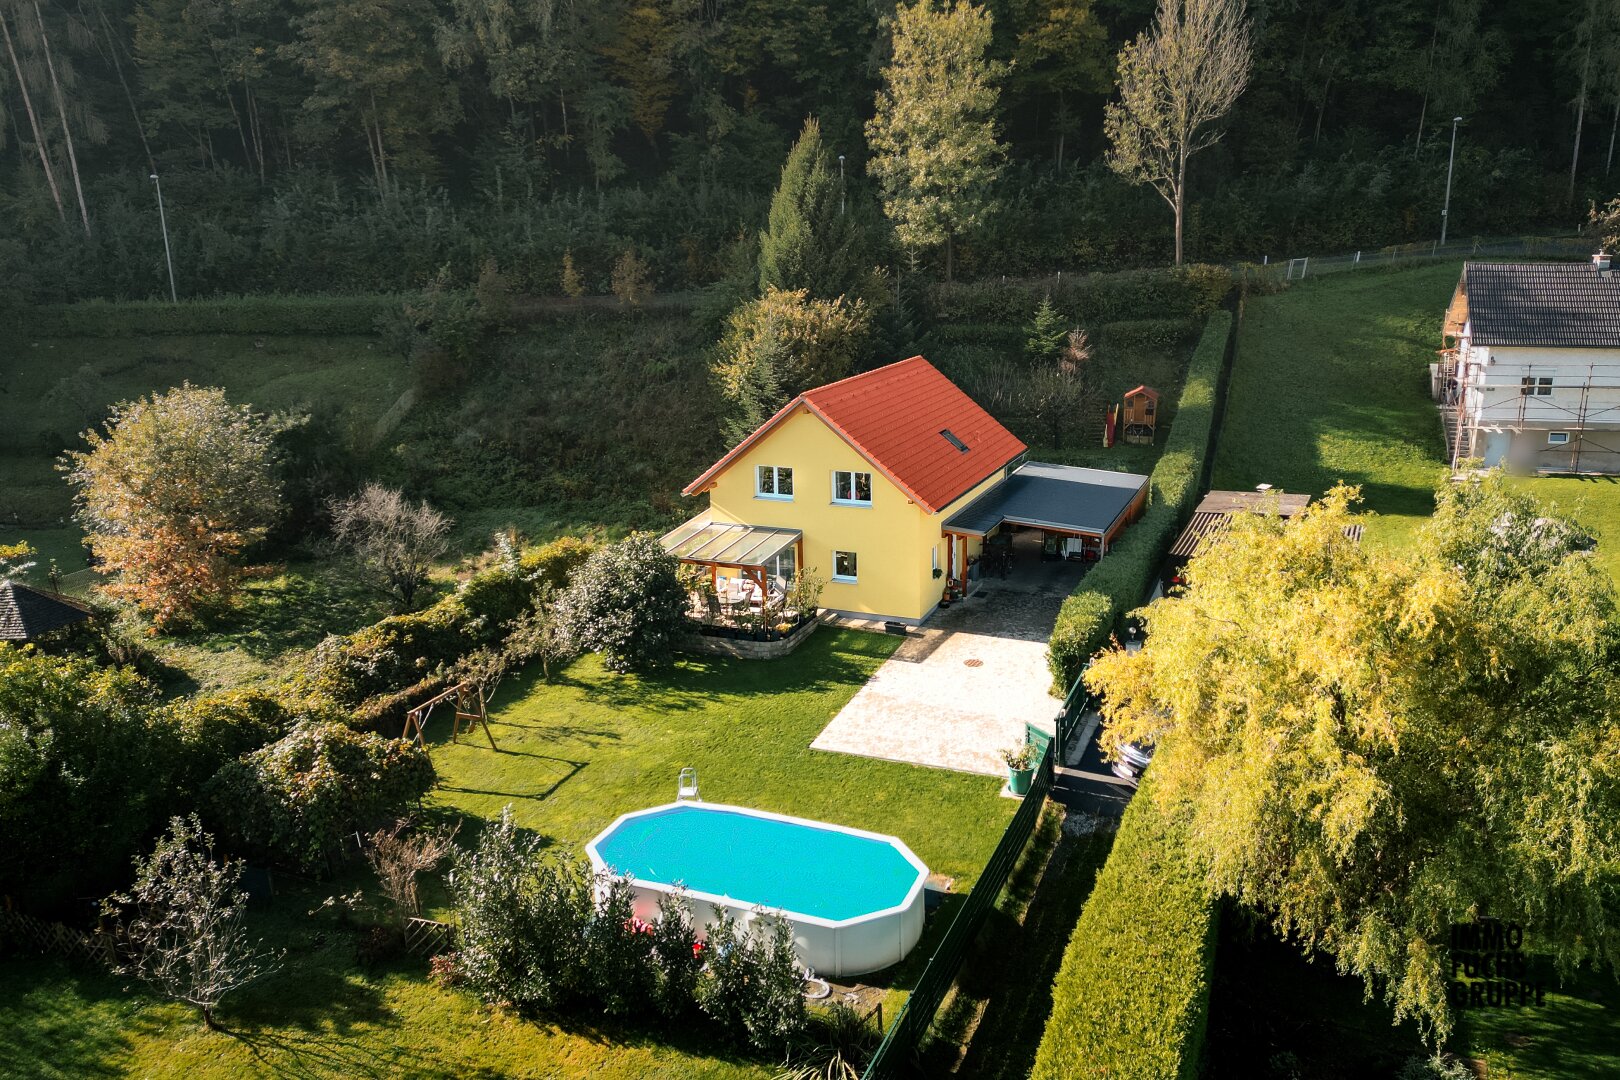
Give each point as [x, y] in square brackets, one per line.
[832, 947]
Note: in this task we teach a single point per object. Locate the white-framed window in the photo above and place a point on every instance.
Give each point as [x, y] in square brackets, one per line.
[783, 566]
[933, 557]
[1557, 438]
[773, 482]
[852, 488]
[844, 568]
[1536, 386]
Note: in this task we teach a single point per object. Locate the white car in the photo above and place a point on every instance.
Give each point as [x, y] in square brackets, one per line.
[1132, 761]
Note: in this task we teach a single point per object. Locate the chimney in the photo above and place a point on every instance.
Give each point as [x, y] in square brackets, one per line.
[1600, 261]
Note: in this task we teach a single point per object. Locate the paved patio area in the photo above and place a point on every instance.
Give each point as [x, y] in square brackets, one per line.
[959, 690]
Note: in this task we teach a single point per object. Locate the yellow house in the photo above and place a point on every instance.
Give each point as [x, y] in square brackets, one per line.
[886, 484]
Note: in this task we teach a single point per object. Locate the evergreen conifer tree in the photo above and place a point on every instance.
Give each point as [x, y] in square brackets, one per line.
[811, 240]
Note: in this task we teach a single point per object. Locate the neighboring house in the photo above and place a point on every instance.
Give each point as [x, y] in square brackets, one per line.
[1531, 378]
[887, 484]
[28, 614]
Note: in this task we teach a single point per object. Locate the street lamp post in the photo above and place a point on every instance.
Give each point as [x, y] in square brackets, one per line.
[840, 185]
[163, 220]
[1445, 214]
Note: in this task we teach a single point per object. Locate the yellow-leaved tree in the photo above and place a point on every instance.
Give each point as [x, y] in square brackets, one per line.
[1373, 747]
[174, 489]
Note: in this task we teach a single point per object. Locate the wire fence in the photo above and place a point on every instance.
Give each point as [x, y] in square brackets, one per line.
[905, 1035]
[1301, 267]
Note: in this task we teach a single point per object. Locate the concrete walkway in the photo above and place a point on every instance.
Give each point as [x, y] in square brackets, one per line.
[959, 691]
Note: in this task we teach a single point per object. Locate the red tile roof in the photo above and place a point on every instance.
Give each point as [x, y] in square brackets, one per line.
[893, 416]
[1148, 390]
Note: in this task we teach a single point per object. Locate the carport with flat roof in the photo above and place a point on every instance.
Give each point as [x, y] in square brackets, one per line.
[1067, 500]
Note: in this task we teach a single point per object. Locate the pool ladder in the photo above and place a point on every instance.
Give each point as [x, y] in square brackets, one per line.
[687, 786]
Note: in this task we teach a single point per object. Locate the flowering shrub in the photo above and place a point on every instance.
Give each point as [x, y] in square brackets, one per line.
[296, 797]
[627, 603]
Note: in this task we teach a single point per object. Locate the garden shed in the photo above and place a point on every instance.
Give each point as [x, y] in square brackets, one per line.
[1215, 510]
[28, 614]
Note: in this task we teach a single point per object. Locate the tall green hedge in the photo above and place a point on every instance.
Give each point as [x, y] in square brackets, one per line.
[226, 315]
[1186, 292]
[1131, 999]
[1117, 583]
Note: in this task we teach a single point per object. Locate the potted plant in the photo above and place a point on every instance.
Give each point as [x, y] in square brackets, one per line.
[1020, 767]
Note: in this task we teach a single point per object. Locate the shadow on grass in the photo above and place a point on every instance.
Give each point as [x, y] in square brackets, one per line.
[320, 1056]
[1013, 964]
[314, 993]
[293, 609]
[539, 794]
[56, 1021]
[1274, 1013]
[1575, 1033]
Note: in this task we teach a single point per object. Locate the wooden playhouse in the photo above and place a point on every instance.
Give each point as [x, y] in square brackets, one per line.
[1141, 415]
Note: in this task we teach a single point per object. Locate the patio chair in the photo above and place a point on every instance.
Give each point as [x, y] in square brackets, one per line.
[711, 602]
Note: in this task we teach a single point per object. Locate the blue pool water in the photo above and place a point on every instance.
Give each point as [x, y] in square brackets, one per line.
[823, 872]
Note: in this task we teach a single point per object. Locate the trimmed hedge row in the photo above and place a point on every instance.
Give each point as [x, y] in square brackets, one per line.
[1117, 583]
[1186, 292]
[1147, 333]
[377, 670]
[1131, 999]
[227, 315]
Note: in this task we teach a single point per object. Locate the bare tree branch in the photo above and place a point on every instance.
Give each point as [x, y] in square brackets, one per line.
[393, 540]
[1175, 81]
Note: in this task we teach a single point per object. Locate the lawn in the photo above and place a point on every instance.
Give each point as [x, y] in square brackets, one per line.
[276, 618]
[1574, 1036]
[1331, 384]
[577, 752]
[321, 1016]
[1594, 501]
[574, 753]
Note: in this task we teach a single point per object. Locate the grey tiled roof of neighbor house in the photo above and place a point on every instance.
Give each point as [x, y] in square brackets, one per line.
[1559, 305]
[26, 613]
[1064, 498]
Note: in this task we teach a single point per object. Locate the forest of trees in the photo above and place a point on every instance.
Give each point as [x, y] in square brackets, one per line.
[358, 145]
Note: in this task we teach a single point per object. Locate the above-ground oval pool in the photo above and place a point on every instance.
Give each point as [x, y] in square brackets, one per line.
[853, 898]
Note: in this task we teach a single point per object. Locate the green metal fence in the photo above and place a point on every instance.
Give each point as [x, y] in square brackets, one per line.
[900, 1044]
[1075, 703]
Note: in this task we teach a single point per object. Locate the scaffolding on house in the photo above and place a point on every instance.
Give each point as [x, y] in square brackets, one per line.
[1549, 398]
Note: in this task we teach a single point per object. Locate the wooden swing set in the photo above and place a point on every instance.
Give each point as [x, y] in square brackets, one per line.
[470, 709]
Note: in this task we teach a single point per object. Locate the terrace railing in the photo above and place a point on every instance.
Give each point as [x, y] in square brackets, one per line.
[905, 1035]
